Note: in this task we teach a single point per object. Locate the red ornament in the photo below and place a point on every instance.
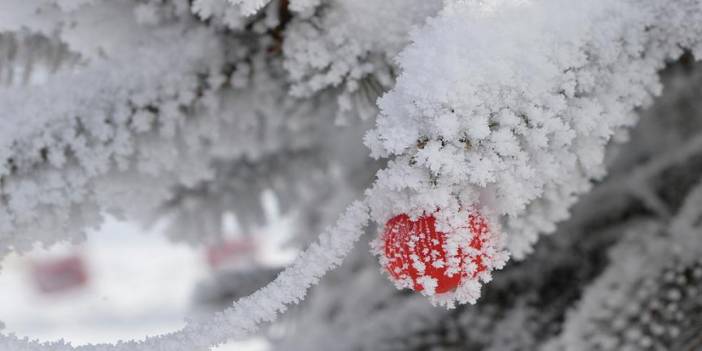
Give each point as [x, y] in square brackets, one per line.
[60, 275]
[415, 250]
[231, 253]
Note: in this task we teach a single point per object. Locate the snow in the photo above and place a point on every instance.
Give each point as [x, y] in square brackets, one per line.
[193, 109]
[537, 99]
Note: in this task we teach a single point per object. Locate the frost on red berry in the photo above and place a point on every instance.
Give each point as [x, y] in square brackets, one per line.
[479, 228]
[417, 255]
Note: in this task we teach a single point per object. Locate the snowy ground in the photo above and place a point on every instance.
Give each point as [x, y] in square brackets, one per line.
[139, 284]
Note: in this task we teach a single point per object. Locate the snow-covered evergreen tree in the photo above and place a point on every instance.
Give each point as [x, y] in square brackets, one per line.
[429, 142]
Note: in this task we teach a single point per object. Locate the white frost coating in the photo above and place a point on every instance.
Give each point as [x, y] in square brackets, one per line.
[245, 317]
[220, 11]
[304, 5]
[79, 127]
[249, 7]
[509, 107]
[349, 46]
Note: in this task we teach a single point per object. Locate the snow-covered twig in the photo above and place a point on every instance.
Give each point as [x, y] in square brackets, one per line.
[247, 314]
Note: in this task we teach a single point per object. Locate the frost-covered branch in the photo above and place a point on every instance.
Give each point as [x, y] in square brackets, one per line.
[651, 284]
[63, 142]
[526, 303]
[350, 46]
[510, 108]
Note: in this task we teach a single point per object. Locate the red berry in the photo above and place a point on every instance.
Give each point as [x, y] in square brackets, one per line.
[415, 249]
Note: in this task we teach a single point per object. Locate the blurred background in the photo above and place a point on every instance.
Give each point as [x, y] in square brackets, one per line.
[127, 282]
